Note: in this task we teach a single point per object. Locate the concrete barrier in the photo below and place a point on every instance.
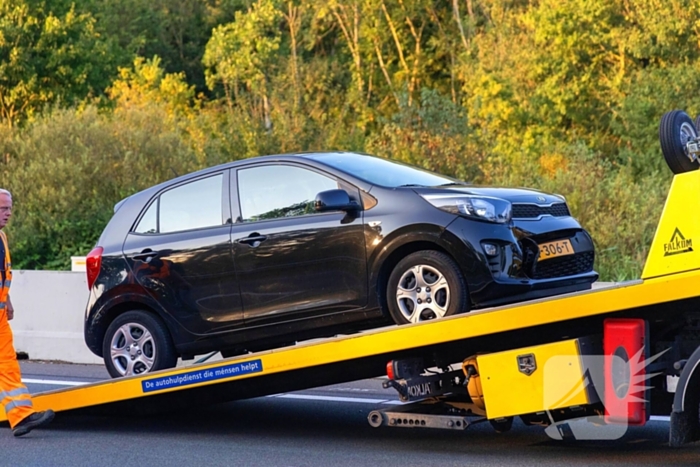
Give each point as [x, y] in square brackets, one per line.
[49, 311]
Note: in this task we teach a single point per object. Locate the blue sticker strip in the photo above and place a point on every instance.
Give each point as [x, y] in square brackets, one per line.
[201, 376]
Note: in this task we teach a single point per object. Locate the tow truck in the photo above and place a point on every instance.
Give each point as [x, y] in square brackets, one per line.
[580, 364]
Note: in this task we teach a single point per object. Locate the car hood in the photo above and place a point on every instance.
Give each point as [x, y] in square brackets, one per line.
[514, 195]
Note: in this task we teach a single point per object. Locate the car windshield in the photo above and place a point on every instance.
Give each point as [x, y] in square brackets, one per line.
[383, 172]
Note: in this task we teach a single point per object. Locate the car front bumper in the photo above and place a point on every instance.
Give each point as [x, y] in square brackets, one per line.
[505, 264]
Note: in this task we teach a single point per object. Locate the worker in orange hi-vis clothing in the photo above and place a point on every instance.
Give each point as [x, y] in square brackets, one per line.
[15, 398]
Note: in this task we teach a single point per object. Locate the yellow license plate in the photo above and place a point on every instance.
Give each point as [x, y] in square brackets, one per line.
[555, 249]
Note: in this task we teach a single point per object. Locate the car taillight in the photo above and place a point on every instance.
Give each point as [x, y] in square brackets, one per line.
[93, 263]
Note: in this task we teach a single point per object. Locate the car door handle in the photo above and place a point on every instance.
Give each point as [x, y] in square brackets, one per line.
[146, 255]
[253, 240]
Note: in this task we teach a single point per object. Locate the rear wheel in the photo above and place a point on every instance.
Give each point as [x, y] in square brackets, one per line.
[137, 342]
[676, 129]
[426, 285]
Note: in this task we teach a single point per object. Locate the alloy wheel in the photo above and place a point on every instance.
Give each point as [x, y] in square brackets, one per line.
[423, 293]
[132, 349]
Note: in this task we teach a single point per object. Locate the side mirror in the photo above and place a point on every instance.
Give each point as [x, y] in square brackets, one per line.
[334, 200]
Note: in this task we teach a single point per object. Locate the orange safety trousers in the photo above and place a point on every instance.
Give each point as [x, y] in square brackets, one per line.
[14, 396]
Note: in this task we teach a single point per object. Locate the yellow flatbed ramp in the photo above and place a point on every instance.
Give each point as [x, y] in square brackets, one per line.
[670, 286]
[364, 355]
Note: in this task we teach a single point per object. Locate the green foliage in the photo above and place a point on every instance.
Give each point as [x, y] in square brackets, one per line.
[67, 170]
[562, 95]
[175, 30]
[49, 53]
[662, 33]
[146, 83]
[242, 51]
[430, 134]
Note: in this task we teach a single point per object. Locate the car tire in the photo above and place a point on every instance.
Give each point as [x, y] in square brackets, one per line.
[426, 285]
[502, 425]
[675, 130]
[137, 342]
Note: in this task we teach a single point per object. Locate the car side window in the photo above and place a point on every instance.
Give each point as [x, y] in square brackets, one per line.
[195, 205]
[192, 206]
[276, 191]
[149, 222]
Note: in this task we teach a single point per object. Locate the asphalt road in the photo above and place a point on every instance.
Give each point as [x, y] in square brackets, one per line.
[322, 427]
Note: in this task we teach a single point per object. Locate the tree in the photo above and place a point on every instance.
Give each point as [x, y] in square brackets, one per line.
[242, 53]
[146, 83]
[48, 56]
[175, 30]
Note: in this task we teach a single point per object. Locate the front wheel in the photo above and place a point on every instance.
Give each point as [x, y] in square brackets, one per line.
[137, 342]
[426, 285]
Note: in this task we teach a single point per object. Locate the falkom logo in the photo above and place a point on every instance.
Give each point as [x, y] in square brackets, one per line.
[678, 244]
[629, 379]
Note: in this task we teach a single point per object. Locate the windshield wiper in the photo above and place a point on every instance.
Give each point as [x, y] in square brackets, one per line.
[409, 185]
[455, 184]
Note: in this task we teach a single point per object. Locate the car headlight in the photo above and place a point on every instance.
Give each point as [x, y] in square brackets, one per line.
[478, 207]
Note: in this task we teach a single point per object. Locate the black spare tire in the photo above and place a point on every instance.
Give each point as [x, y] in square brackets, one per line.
[676, 129]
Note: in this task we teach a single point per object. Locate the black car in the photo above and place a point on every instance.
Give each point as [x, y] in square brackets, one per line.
[272, 250]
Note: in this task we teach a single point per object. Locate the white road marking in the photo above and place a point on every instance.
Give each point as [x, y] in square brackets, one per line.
[363, 400]
[357, 400]
[53, 382]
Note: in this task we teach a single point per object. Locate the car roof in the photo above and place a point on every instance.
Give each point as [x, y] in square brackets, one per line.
[290, 157]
